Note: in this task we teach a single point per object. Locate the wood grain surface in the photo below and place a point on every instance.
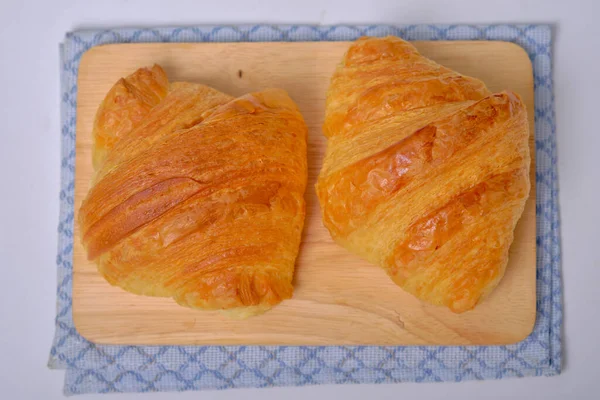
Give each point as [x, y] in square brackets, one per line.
[339, 298]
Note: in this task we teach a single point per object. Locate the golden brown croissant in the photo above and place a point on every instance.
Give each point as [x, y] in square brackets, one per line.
[197, 195]
[426, 172]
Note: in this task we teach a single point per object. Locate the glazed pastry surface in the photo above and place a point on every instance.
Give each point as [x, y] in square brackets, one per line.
[426, 171]
[197, 195]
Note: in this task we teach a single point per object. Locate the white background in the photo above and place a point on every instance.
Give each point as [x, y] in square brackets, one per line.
[30, 158]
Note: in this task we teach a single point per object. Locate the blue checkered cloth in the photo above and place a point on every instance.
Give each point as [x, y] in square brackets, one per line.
[94, 368]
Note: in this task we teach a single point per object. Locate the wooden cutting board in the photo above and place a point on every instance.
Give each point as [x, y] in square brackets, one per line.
[339, 298]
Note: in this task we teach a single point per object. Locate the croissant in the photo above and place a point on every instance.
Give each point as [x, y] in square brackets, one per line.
[197, 195]
[426, 172]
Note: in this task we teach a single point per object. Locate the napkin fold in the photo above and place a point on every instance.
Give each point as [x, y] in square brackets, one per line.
[94, 368]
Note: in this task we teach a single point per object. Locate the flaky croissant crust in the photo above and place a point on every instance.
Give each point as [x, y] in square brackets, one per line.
[197, 195]
[426, 171]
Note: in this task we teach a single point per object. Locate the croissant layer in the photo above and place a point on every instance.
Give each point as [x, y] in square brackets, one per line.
[197, 195]
[426, 171]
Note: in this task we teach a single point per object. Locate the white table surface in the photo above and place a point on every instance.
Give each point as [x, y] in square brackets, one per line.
[29, 171]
